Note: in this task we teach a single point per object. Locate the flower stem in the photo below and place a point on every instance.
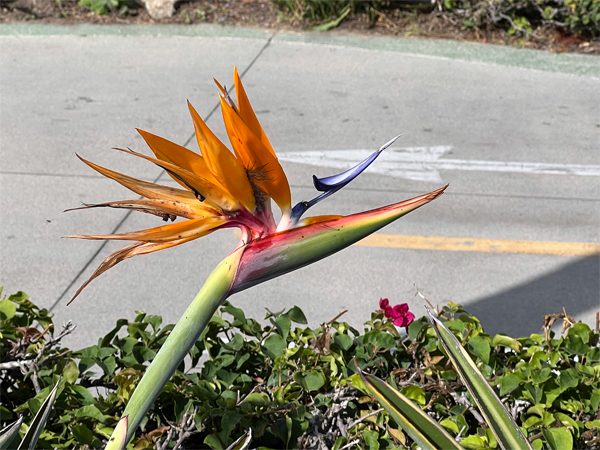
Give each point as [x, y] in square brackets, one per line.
[181, 339]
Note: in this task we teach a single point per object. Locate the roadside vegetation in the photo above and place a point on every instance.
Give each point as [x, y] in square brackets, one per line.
[556, 25]
[294, 385]
[526, 18]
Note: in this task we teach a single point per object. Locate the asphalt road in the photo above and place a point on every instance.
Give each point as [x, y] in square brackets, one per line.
[515, 133]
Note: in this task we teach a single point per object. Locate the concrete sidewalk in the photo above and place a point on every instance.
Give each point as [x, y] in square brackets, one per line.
[85, 89]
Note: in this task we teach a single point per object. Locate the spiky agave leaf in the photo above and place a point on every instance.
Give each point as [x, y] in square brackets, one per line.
[425, 431]
[10, 432]
[39, 421]
[243, 442]
[507, 432]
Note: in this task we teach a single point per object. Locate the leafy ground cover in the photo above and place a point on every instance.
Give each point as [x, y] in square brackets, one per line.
[294, 385]
[556, 25]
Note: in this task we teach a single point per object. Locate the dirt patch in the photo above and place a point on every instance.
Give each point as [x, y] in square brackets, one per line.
[261, 14]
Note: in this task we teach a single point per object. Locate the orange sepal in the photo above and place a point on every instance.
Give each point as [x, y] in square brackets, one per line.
[247, 113]
[226, 95]
[223, 164]
[143, 188]
[317, 219]
[137, 248]
[167, 209]
[188, 229]
[213, 193]
[262, 166]
[176, 154]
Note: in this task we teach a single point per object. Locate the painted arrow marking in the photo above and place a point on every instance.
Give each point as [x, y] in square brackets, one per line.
[423, 163]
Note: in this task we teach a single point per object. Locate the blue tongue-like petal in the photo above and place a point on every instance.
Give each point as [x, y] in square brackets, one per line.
[330, 185]
[342, 179]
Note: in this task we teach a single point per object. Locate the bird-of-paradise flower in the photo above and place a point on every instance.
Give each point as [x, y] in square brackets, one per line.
[220, 189]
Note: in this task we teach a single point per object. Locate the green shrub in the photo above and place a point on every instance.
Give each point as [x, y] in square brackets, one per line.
[327, 10]
[294, 385]
[524, 16]
[517, 17]
[583, 16]
[102, 7]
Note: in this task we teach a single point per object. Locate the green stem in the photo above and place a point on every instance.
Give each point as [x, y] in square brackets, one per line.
[180, 341]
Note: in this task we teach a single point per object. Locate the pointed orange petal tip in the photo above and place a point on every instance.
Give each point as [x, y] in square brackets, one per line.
[221, 88]
[283, 252]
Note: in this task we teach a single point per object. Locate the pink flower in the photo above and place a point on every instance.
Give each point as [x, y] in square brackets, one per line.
[383, 304]
[399, 314]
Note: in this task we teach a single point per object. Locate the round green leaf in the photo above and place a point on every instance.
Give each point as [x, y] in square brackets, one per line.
[311, 380]
[7, 309]
[558, 438]
[343, 341]
[297, 315]
[415, 393]
[83, 434]
[71, 372]
[473, 442]
[480, 348]
[274, 345]
[379, 339]
[370, 438]
[257, 399]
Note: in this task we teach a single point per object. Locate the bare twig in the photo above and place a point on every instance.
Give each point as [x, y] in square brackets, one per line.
[188, 427]
[434, 308]
[163, 444]
[183, 430]
[34, 380]
[337, 317]
[518, 28]
[350, 444]
[409, 381]
[14, 365]
[384, 17]
[357, 421]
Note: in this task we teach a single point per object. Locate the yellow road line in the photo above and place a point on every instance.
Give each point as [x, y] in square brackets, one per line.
[481, 245]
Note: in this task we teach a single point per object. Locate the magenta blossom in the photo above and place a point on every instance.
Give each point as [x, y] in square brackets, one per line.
[383, 304]
[399, 314]
[385, 307]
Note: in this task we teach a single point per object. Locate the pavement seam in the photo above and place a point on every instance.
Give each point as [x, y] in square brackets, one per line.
[128, 214]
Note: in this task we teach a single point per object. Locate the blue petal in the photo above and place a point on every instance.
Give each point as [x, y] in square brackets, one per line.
[297, 211]
[330, 185]
[340, 180]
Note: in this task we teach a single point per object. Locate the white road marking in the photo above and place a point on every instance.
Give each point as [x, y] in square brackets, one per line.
[423, 163]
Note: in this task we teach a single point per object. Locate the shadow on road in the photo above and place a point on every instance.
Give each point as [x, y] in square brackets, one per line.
[519, 311]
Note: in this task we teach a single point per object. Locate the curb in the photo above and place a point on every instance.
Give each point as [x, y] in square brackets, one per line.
[562, 63]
